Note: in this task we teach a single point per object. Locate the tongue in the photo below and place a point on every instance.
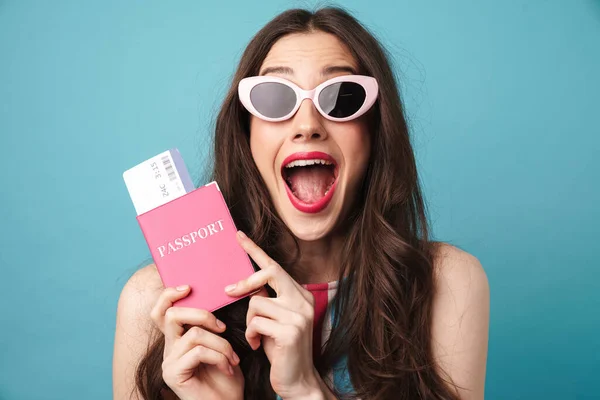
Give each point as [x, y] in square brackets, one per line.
[309, 184]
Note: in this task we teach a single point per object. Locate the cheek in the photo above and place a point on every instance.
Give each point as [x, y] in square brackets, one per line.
[357, 150]
[262, 154]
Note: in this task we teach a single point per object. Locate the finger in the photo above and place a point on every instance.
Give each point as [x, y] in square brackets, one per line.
[305, 293]
[271, 273]
[166, 299]
[202, 355]
[274, 277]
[177, 317]
[197, 336]
[258, 255]
[261, 292]
[265, 262]
[261, 326]
[272, 309]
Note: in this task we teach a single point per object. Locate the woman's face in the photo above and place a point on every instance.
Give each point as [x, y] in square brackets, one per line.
[317, 196]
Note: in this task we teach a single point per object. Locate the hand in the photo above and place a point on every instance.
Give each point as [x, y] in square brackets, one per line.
[284, 324]
[197, 363]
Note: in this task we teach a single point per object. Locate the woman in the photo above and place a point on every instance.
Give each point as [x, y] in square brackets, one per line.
[355, 299]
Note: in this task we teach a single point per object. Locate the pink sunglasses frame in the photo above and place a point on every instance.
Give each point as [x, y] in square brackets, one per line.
[367, 82]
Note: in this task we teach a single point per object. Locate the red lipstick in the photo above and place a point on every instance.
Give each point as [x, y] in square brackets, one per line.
[318, 206]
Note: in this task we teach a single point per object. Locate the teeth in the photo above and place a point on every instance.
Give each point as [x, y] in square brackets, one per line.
[304, 163]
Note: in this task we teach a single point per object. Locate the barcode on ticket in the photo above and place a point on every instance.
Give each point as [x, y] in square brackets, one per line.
[166, 160]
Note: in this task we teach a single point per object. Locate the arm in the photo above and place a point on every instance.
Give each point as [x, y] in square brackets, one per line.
[460, 321]
[133, 329]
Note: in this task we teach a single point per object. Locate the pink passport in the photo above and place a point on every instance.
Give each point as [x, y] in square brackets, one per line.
[193, 241]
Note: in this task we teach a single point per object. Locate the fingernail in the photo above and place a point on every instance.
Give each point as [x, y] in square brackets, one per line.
[242, 235]
[181, 288]
[220, 324]
[236, 358]
[229, 288]
[230, 370]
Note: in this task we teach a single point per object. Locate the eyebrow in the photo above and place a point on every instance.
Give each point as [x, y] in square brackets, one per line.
[324, 72]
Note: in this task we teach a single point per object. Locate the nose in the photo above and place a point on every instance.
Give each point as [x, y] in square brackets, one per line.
[307, 123]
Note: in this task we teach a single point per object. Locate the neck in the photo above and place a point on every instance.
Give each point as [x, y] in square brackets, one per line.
[319, 260]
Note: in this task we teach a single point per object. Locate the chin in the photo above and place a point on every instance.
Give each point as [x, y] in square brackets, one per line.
[310, 227]
[310, 230]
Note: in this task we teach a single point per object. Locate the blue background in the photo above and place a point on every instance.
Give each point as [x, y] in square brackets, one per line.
[503, 100]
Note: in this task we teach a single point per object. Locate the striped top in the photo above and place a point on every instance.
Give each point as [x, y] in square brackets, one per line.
[324, 319]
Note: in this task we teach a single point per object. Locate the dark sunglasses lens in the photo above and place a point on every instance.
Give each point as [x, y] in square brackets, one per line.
[342, 99]
[272, 99]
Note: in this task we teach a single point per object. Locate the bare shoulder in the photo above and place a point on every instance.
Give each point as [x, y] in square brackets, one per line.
[460, 319]
[147, 276]
[134, 328]
[140, 293]
[456, 267]
[145, 281]
[461, 284]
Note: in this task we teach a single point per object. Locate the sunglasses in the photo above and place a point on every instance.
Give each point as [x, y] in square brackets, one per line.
[342, 98]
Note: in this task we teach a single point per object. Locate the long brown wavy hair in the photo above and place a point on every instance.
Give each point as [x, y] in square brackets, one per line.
[384, 304]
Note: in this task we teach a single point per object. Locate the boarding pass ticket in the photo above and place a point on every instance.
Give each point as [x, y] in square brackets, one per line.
[157, 181]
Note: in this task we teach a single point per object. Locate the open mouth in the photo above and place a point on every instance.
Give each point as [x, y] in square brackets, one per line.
[310, 180]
